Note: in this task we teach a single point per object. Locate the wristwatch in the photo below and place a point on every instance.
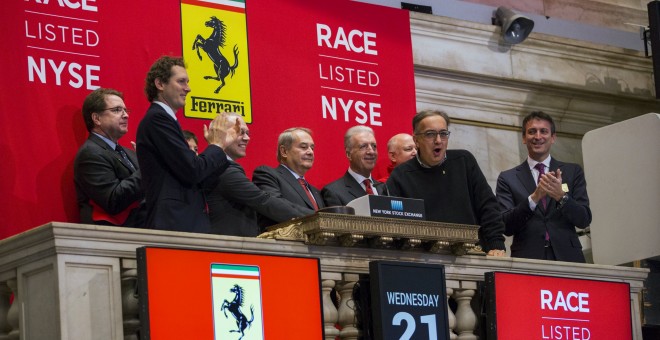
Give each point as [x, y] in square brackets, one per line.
[563, 200]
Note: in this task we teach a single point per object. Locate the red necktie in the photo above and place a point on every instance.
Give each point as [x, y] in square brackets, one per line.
[303, 184]
[367, 186]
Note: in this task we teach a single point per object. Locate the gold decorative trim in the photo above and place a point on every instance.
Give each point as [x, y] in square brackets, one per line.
[378, 232]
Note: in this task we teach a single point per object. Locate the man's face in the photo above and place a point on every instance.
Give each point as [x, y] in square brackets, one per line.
[192, 145]
[432, 151]
[363, 153]
[404, 149]
[538, 138]
[113, 121]
[300, 157]
[175, 89]
[238, 148]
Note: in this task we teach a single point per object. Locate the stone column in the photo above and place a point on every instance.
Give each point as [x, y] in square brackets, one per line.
[5, 294]
[347, 319]
[466, 319]
[12, 314]
[330, 313]
[450, 316]
[129, 305]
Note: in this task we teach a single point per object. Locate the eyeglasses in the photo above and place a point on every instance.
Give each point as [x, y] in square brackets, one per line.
[118, 110]
[432, 135]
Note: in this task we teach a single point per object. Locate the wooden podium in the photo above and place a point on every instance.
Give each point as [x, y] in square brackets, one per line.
[344, 230]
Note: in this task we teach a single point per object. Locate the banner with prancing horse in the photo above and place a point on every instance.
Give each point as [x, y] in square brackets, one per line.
[214, 39]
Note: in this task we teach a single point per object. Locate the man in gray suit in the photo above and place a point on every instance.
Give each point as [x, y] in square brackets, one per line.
[543, 199]
[360, 146]
[106, 175]
[235, 201]
[295, 152]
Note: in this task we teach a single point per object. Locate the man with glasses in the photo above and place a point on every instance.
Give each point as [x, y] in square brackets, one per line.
[173, 175]
[450, 182]
[360, 146]
[235, 201]
[106, 175]
[543, 199]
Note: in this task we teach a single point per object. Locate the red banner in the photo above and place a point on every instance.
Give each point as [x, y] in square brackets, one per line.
[542, 307]
[329, 65]
[58, 51]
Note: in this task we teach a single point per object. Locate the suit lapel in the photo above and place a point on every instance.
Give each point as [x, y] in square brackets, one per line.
[293, 182]
[100, 142]
[133, 157]
[380, 188]
[318, 198]
[353, 186]
[554, 165]
[525, 177]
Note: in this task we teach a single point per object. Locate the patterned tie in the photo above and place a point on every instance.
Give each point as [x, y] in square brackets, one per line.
[367, 186]
[541, 168]
[124, 156]
[303, 184]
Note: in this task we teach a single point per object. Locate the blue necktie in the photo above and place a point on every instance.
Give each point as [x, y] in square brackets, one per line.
[124, 157]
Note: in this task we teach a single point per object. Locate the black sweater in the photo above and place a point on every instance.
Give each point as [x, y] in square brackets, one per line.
[455, 191]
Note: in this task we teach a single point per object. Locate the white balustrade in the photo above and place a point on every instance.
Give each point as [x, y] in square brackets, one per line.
[96, 271]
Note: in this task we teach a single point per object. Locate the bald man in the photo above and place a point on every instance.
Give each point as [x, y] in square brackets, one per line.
[400, 148]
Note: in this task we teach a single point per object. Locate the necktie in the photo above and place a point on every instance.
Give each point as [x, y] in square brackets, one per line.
[303, 184]
[541, 168]
[367, 186]
[124, 157]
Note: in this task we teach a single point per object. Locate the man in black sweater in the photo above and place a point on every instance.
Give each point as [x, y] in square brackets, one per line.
[450, 182]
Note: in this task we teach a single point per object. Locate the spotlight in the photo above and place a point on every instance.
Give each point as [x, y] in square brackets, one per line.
[515, 27]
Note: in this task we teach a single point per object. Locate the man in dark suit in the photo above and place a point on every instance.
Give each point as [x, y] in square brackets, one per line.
[107, 176]
[235, 201]
[542, 217]
[173, 175]
[360, 146]
[295, 152]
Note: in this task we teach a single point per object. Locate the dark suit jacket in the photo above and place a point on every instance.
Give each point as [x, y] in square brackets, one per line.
[173, 175]
[100, 175]
[346, 189]
[235, 201]
[528, 227]
[280, 183]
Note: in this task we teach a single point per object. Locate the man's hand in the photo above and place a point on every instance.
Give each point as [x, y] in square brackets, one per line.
[497, 252]
[551, 183]
[538, 194]
[222, 132]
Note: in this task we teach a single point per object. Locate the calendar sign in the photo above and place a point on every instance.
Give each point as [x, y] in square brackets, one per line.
[409, 301]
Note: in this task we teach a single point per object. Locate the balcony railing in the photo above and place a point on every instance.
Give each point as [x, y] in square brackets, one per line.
[74, 281]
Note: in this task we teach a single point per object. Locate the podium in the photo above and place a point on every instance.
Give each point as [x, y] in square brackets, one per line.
[389, 206]
[324, 228]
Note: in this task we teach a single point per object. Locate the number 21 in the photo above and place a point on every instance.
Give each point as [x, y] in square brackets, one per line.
[411, 326]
